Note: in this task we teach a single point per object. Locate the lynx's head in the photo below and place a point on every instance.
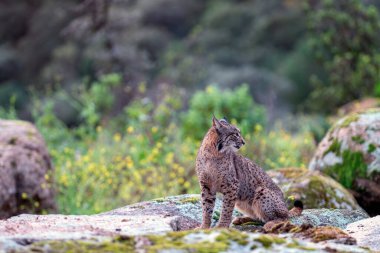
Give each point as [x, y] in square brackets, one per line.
[229, 137]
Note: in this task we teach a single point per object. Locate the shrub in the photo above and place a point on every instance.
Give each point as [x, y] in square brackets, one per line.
[235, 104]
[278, 148]
[346, 41]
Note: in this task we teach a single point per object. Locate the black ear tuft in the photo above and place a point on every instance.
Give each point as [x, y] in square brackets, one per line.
[225, 119]
[215, 121]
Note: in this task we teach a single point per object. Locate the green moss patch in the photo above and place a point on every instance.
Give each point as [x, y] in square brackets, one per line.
[358, 139]
[120, 244]
[192, 200]
[349, 119]
[233, 235]
[268, 240]
[353, 166]
[253, 223]
[334, 147]
[296, 245]
[371, 148]
[176, 240]
[159, 200]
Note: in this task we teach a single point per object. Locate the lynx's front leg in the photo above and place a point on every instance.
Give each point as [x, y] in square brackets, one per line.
[229, 190]
[208, 202]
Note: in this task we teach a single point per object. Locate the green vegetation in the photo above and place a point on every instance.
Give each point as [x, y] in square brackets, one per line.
[148, 149]
[352, 166]
[268, 240]
[233, 235]
[175, 241]
[237, 103]
[120, 244]
[371, 148]
[349, 119]
[358, 139]
[334, 147]
[192, 200]
[353, 67]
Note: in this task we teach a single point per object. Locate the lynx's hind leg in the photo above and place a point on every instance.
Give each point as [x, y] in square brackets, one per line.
[269, 205]
[248, 214]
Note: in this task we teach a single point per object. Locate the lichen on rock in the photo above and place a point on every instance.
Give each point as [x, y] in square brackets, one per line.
[313, 188]
[204, 241]
[349, 152]
[166, 225]
[329, 217]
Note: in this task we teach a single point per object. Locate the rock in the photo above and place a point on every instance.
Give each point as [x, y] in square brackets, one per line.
[190, 241]
[329, 217]
[26, 170]
[154, 225]
[366, 232]
[358, 106]
[313, 188]
[350, 154]
[175, 213]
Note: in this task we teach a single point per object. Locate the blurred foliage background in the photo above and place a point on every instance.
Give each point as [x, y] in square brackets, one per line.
[123, 90]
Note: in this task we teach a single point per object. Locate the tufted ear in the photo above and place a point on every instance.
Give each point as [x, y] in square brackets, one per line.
[215, 122]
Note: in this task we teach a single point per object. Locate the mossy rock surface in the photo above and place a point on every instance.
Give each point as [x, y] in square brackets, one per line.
[351, 148]
[156, 226]
[313, 188]
[350, 152]
[206, 241]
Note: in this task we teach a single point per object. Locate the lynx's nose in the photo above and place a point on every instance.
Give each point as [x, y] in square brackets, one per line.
[242, 141]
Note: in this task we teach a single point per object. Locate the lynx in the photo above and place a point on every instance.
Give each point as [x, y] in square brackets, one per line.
[244, 184]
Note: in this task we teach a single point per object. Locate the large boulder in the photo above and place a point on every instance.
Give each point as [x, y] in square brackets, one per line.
[350, 154]
[25, 170]
[315, 189]
[358, 106]
[154, 225]
[366, 232]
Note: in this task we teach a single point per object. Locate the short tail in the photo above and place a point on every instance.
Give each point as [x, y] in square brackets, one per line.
[297, 209]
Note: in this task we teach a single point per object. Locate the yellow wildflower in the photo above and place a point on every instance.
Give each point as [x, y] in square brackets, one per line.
[169, 158]
[186, 185]
[154, 129]
[130, 129]
[117, 137]
[210, 89]
[258, 128]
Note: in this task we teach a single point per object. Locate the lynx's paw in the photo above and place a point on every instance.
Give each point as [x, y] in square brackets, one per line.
[222, 225]
[242, 219]
[202, 227]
